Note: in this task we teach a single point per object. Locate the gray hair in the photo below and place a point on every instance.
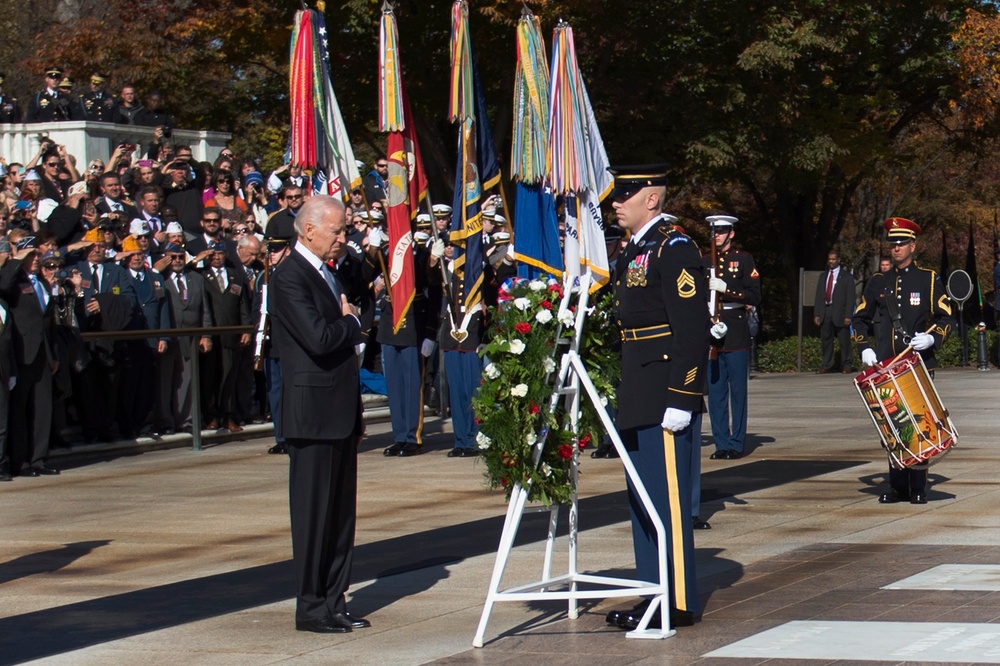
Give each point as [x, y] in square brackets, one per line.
[314, 210]
[247, 239]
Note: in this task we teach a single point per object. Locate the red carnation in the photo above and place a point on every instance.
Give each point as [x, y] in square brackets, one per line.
[556, 289]
[522, 327]
[533, 409]
[584, 441]
[546, 305]
[565, 451]
[504, 481]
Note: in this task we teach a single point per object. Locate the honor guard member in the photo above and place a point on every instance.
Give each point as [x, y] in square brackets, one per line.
[10, 111]
[660, 300]
[51, 104]
[423, 234]
[97, 105]
[404, 351]
[277, 250]
[737, 283]
[913, 307]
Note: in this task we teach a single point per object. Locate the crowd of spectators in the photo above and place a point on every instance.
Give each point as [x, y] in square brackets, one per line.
[149, 239]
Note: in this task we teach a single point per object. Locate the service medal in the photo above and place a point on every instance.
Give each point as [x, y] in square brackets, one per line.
[915, 298]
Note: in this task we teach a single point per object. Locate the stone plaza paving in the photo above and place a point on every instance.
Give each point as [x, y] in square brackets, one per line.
[171, 556]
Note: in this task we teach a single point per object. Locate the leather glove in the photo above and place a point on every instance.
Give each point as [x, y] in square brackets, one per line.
[437, 249]
[868, 357]
[676, 420]
[717, 284]
[719, 331]
[427, 348]
[375, 238]
[922, 341]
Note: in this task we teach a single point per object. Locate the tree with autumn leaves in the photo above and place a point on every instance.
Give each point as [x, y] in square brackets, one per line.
[810, 121]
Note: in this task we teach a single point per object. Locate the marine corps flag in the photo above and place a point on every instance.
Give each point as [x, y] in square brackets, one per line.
[578, 163]
[477, 169]
[318, 138]
[406, 184]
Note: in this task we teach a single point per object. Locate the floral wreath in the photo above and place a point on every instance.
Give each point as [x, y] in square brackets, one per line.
[512, 404]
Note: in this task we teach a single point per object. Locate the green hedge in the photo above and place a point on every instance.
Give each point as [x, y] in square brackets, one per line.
[781, 355]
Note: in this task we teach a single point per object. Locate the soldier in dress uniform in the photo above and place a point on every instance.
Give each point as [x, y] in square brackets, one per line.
[913, 306]
[404, 351]
[660, 299]
[97, 105]
[51, 104]
[10, 111]
[737, 283]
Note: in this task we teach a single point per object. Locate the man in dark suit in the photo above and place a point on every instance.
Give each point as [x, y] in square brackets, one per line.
[31, 399]
[281, 224]
[211, 232]
[111, 200]
[190, 308]
[225, 287]
[315, 330]
[833, 310]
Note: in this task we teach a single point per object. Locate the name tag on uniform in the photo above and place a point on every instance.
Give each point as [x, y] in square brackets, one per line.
[158, 290]
[85, 284]
[27, 289]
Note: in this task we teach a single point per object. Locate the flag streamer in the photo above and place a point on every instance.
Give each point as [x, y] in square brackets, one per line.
[390, 88]
[531, 103]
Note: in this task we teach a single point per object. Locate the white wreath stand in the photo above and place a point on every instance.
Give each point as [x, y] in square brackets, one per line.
[573, 375]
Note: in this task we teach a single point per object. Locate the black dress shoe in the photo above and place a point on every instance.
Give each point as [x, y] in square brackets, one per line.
[615, 616]
[5, 474]
[467, 453]
[278, 448]
[28, 471]
[678, 618]
[734, 455]
[324, 625]
[393, 450]
[893, 496]
[718, 455]
[699, 524]
[918, 497]
[345, 619]
[600, 452]
[45, 470]
[409, 449]
[455, 452]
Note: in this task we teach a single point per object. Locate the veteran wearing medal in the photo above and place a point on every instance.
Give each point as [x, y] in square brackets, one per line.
[660, 301]
[912, 309]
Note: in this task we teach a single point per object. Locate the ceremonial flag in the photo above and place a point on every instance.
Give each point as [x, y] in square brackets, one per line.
[406, 185]
[578, 163]
[318, 138]
[536, 239]
[477, 168]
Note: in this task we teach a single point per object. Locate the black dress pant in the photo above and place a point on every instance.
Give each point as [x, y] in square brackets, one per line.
[323, 489]
[31, 410]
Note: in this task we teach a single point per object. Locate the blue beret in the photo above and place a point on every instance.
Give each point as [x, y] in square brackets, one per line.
[217, 246]
[172, 248]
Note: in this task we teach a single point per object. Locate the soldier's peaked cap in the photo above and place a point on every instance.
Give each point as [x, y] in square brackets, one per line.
[900, 230]
[629, 179]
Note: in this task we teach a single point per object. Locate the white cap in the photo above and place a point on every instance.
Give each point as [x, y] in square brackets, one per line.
[721, 220]
[501, 236]
[423, 217]
[376, 215]
[671, 219]
[363, 214]
[499, 219]
[442, 209]
[359, 164]
[421, 236]
[175, 228]
[139, 227]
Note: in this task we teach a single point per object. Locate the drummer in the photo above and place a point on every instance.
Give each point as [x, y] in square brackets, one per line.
[913, 310]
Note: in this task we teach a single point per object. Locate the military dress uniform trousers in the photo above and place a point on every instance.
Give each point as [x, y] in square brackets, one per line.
[727, 395]
[464, 371]
[272, 374]
[403, 380]
[663, 461]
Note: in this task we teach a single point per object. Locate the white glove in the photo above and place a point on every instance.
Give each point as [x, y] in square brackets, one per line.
[427, 348]
[375, 238]
[868, 357]
[510, 252]
[11, 383]
[437, 249]
[719, 331]
[717, 284]
[359, 349]
[922, 341]
[676, 420]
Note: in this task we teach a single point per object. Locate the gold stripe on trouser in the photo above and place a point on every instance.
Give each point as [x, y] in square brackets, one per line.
[677, 561]
[420, 403]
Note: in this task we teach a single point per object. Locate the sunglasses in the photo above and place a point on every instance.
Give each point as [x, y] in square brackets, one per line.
[211, 219]
[50, 266]
[52, 164]
[239, 232]
[293, 196]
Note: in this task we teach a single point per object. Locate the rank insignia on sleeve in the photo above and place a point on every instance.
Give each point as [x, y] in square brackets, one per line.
[685, 284]
[754, 274]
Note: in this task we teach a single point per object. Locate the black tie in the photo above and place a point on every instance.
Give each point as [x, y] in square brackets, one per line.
[96, 270]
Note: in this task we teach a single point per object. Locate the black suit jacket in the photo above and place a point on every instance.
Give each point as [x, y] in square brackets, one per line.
[8, 362]
[320, 392]
[842, 306]
[229, 308]
[197, 245]
[130, 211]
[32, 327]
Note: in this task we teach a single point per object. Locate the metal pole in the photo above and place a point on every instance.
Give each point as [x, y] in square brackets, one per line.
[195, 397]
[798, 362]
[963, 332]
[982, 362]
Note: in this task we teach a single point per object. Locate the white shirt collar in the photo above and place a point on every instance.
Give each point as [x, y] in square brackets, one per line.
[313, 260]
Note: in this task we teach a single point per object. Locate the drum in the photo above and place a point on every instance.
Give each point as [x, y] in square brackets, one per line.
[914, 426]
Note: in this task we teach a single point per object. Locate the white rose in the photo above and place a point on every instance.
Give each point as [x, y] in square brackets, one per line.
[546, 470]
[522, 303]
[604, 401]
[483, 441]
[536, 285]
[531, 438]
[543, 317]
[516, 346]
[548, 365]
[492, 371]
[519, 391]
[567, 318]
